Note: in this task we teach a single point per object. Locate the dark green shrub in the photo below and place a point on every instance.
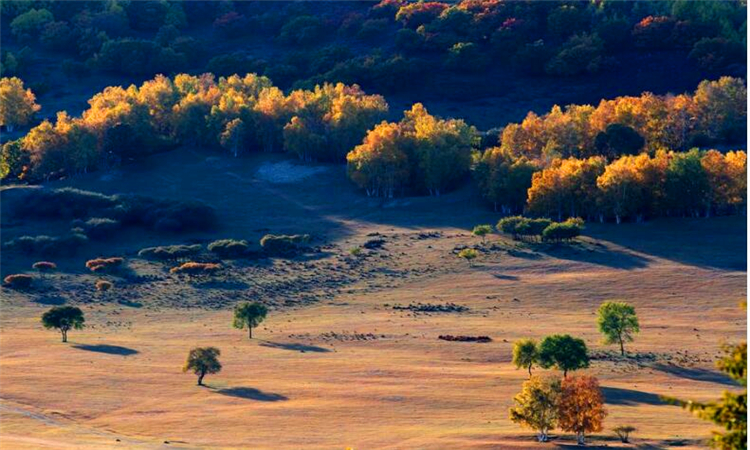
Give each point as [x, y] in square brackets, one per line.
[65, 203]
[100, 227]
[170, 252]
[563, 231]
[509, 225]
[302, 30]
[47, 245]
[229, 248]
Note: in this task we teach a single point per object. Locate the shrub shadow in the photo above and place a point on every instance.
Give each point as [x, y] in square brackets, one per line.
[108, 349]
[50, 300]
[295, 346]
[252, 394]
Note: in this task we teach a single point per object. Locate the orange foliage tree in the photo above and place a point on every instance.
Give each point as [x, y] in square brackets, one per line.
[581, 406]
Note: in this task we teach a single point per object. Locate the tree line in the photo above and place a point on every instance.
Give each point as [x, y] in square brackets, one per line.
[233, 113]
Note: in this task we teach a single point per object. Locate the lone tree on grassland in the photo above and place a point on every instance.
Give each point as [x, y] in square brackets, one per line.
[63, 318]
[249, 315]
[482, 231]
[623, 432]
[536, 405]
[618, 322]
[202, 361]
[525, 354]
[563, 352]
[581, 406]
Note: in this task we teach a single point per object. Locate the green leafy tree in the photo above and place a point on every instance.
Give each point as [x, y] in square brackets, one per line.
[618, 323]
[536, 405]
[249, 315]
[525, 354]
[29, 25]
[202, 361]
[482, 231]
[63, 318]
[564, 352]
[730, 411]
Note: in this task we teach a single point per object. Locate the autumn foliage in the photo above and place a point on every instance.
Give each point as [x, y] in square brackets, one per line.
[581, 406]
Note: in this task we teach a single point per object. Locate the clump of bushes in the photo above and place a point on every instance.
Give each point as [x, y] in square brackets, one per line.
[47, 245]
[196, 268]
[105, 265]
[170, 252]
[283, 245]
[18, 281]
[103, 285]
[102, 213]
[98, 227]
[523, 228]
[229, 248]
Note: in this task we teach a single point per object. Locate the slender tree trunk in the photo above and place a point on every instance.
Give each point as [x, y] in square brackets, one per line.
[249, 332]
[64, 335]
[529, 370]
[200, 378]
[622, 347]
[581, 438]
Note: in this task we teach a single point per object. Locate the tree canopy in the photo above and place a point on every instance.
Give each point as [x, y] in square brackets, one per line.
[203, 361]
[563, 352]
[618, 323]
[249, 315]
[63, 318]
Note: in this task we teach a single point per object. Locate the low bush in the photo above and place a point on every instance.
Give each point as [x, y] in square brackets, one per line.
[65, 203]
[44, 266]
[229, 248]
[283, 245]
[18, 281]
[165, 215]
[103, 285]
[48, 245]
[563, 231]
[196, 268]
[170, 252]
[105, 265]
[99, 227]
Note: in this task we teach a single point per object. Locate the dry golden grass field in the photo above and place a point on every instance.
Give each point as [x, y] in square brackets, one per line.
[335, 365]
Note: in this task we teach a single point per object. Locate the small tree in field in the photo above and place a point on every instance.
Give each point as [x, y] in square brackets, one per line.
[563, 352]
[623, 432]
[618, 322]
[63, 318]
[536, 405]
[249, 315]
[469, 254]
[202, 361]
[581, 406]
[44, 267]
[482, 231]
[525, 354]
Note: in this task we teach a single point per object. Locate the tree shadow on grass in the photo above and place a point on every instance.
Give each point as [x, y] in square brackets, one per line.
[598, 255]
[50, 300]
[252, 394]
[229, 285]
[629, 397]
[295, 346]
[696, 373]
[108, 349]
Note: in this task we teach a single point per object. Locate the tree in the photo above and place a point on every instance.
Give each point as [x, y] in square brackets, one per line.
[379, 164]
[482, 231]
[17, 105]
[730, 411]
[623, 432]
[618, 322]
[563, 352]
[29, 25]
[468, 254]
[525, 354]
[202, 361]
[581, 406]
[249, 315]
[44, 267]
[536, 405]
[63, 318]
[233, 136]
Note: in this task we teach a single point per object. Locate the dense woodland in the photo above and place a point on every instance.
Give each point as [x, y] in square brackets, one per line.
[625, 158]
